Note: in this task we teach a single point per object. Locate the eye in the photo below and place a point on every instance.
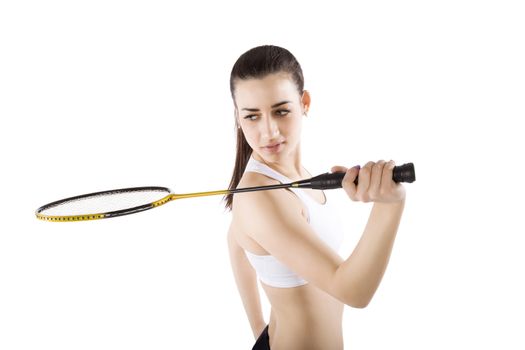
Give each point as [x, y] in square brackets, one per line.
[279, 112]
[282, 112]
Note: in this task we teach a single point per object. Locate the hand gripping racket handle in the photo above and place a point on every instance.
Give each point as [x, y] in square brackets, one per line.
[327, 181]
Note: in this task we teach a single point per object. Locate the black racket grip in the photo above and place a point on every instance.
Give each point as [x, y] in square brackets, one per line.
[327, 181]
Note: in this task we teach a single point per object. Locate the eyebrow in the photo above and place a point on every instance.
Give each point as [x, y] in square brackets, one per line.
[273, 106]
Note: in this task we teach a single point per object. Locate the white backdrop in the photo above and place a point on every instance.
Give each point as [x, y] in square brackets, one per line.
[103, 94]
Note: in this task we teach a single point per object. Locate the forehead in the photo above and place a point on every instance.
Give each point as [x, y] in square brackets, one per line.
[268, 90]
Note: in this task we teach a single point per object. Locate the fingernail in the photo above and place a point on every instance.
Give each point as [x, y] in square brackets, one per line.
[357, 167]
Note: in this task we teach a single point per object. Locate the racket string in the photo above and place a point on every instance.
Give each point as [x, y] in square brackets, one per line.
[104, 202]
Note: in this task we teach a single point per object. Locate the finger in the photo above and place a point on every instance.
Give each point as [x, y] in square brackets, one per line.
[364, 182]
[348, 182]
[375, 180]
[338, 168]
[386, 180]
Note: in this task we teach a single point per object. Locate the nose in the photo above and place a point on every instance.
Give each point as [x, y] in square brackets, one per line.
[270, 129]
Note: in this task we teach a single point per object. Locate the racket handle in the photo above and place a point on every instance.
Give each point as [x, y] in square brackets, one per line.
[327, 181]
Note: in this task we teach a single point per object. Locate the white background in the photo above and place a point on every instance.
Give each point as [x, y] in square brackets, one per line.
[108, 94]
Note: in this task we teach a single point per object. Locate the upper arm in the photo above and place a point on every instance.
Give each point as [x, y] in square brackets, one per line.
[238, 259]
[273, 219]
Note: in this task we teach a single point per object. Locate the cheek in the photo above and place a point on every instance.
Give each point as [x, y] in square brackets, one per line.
[250, 134]
[293, 127]
[249, 131]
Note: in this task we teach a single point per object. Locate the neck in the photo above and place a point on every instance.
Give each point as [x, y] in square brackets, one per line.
[287, 164]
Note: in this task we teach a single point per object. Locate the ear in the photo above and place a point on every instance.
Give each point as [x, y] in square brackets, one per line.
[305, 100]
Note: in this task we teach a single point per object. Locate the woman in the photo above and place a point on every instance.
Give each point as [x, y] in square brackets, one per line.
[288, 238]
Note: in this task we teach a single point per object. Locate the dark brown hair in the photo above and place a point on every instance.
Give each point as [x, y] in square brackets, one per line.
[257, 63]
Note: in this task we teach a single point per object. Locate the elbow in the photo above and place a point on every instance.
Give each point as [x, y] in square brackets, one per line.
[356, 301]
[360, 305]
[352, 293]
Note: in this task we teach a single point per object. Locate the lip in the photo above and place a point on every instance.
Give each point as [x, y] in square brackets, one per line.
[273, 148]
[275, 144]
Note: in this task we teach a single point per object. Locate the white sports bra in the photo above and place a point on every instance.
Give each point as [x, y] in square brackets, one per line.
[323, 218]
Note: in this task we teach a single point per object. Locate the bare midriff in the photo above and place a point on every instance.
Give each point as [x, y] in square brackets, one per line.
[304, 317]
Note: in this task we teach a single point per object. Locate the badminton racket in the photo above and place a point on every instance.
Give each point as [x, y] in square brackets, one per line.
[125, 201]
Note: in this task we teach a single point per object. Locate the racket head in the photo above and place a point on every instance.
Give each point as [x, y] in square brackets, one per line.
[105, 204]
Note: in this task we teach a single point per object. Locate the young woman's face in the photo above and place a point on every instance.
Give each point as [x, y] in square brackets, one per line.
[270, 112]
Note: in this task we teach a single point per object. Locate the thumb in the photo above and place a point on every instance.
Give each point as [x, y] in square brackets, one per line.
[338, 168]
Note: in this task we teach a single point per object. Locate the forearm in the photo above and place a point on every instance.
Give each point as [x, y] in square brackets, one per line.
[359, 276]
[250, 296]
[246, 281]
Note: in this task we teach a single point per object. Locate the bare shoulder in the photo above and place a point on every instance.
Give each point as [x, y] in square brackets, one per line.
[240, 228]
[253, 179]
